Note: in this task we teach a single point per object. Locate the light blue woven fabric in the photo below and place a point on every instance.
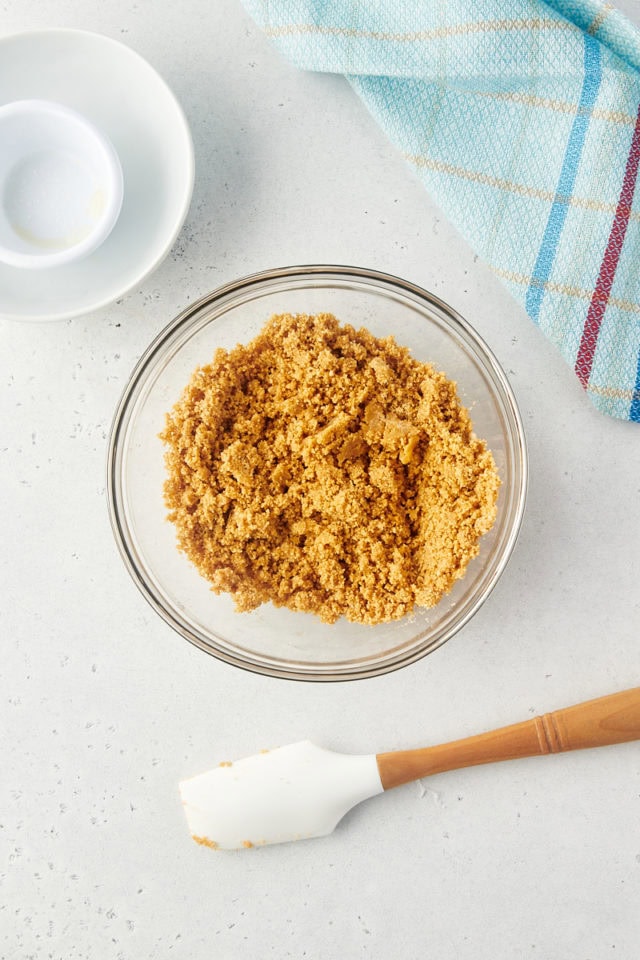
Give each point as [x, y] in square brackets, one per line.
[522, 120]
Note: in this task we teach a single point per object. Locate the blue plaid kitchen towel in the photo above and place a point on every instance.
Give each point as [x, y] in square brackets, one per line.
[522, 119]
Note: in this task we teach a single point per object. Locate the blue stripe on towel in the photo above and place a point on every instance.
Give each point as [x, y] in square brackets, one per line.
[634, 410]
[558, 213]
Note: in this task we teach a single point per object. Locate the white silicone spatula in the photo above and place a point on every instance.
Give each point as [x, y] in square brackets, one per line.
[302, 791]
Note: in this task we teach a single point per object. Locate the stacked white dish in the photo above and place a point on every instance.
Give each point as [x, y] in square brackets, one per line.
[126, 104]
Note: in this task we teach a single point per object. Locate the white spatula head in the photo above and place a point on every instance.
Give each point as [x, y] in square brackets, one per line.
[290, 793]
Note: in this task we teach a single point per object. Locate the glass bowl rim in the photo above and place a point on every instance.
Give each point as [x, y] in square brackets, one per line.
[122, 417]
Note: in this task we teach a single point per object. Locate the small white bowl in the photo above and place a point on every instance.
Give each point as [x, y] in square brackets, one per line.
[61, 185]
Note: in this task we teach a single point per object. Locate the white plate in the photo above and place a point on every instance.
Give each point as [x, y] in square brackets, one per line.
[122, 94]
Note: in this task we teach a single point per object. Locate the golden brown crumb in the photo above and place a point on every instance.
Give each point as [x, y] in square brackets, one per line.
[226, 763]
[205, 842]
[326, 470]
[247, 844]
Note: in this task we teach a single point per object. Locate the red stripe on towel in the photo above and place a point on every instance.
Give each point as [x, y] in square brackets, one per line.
[600, 298]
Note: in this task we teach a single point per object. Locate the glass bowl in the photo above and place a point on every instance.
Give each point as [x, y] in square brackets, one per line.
[277, 641]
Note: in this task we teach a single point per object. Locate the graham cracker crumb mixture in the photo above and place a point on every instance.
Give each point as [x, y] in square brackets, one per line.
[327, 471]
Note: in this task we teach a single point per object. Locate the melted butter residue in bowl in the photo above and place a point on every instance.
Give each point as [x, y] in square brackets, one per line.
[52, 201]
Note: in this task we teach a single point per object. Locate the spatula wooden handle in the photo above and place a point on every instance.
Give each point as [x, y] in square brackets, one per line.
[595, 723]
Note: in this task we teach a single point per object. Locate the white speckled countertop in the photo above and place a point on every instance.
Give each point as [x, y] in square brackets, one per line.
[104, 709]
